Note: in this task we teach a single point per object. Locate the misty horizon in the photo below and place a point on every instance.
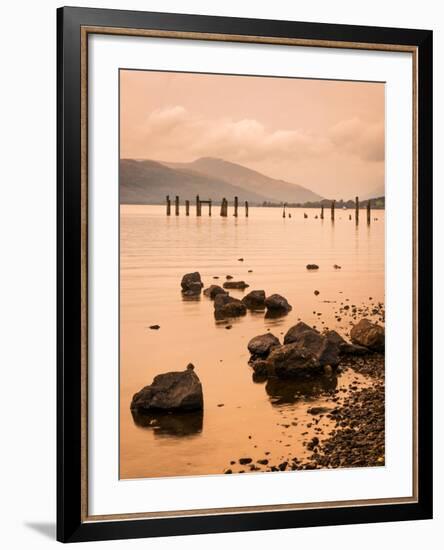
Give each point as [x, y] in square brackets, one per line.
[327, 136]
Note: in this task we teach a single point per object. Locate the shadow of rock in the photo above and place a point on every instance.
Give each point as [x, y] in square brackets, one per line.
[170, 424]
[289, 391]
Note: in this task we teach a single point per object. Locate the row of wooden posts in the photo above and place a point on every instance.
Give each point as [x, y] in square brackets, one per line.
[224, 208]
[332, 211]
[200, 202]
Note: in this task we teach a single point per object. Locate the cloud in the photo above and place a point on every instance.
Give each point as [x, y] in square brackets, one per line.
[355, 137]
[174, 129]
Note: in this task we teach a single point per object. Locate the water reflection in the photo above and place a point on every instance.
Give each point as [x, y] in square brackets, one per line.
[175, 424]
[190, 297]
[289, 391]
[276, 313]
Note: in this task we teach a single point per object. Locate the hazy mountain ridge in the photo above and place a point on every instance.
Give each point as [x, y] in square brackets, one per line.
[250, 180]
[148, 182]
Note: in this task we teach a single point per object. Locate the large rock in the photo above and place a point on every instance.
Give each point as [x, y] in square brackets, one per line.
[255, 299]
[326, 352]
[260, 346]
[308, 339]
[227, 306]
[277, 303]
[345, 348]
[236, 284]
[295, 331]
[213, 290]
[290, 361]
[172, 391]
[191, 283]
[369, 335]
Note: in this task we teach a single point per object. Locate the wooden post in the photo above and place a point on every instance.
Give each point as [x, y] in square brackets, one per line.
[187, 208]
[198, 207]
[322, 212]
[333, 210]
[357, 209]
[246, 209]
[283, 213]
[177, 205]
[209, 207]
[225, 208]
[168, 202]
[368, 212]
[222, 207]
[236, 204]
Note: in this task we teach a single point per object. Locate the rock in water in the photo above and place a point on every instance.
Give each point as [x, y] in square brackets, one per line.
[260, 346]
[255, 299]
[236, 284]
[325, 351]
[277, 303]
[290, 360]
[345, 348]
[312, 266]
[369, 335]
[295, 331]
[226, 306]
[172, 391]
[213, 290]
[191, 283]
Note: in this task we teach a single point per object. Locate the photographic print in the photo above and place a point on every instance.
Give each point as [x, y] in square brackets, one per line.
[252, 245]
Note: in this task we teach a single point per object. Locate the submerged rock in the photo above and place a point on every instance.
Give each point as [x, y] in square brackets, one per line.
[191, 283]
[236, 284]
[227, 306]
[171, 391]
[260, 346]
[255, 299]
[213, 290]
[318, 410]
[277, 303]
[369, 335]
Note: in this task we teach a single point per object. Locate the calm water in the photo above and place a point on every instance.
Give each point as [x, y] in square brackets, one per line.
[241, 418]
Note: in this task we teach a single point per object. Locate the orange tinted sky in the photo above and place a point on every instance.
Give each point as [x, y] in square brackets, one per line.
[325, 135]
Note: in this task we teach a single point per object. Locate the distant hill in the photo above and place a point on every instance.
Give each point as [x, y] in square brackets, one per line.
[250, 180]
[148, 182]
[375, 193]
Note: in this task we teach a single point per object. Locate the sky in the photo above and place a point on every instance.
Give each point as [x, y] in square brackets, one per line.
[323, 134]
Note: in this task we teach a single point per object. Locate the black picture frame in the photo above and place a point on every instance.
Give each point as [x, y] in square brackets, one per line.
[71, 524]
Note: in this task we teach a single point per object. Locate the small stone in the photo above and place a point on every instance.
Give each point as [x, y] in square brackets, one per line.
[155, 327]
[245, 460]
[236, 284]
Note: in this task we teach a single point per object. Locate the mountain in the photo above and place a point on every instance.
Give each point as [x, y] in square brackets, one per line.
[375, 193]
[250, 180]
[148, 182]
